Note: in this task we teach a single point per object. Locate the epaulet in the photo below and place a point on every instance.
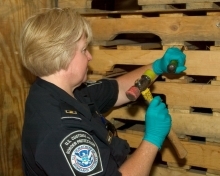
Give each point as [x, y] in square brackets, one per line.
[69, 112]
[92, 83]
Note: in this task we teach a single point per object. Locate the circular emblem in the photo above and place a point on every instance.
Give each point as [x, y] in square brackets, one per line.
[84, 158]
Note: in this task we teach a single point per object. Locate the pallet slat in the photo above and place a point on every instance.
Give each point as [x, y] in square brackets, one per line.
[185, 28]
[159, 170]
[194, 124]
[195, 95]
[146, 2]
[197, 62]
[200, 155]
[181, 95]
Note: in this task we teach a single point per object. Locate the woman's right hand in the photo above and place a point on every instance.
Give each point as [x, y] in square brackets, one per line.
[157, 122]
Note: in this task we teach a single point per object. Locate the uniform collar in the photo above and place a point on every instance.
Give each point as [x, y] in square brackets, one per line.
[63, 96]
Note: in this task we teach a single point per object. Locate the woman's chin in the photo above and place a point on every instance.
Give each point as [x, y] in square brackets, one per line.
[85, 78]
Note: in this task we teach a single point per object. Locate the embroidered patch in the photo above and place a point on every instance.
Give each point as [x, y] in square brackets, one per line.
[82, 153]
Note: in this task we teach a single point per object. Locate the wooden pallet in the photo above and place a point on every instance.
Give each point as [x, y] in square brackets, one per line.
[169, 28]
[178, 4]
[202, 155]
[174, 170]
[194, 112]
[126, 40]
[77, 4]
[198, 62]
[146, 4]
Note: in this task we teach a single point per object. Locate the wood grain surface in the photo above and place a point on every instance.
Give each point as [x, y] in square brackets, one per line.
[201, 62]
[15, 81]
[169, 29]
[146, 2]
[199, 154]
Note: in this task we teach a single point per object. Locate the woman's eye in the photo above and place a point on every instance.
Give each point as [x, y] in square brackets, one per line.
[84, 50]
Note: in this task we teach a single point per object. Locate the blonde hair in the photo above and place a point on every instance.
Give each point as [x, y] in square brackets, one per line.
[49, 39]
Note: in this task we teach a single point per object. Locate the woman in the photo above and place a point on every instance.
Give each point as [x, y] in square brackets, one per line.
[64, 132]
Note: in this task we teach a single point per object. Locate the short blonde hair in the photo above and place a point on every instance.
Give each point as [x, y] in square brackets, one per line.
[49, 39]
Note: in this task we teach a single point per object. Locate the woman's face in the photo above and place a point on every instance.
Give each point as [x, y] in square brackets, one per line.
[79, 65]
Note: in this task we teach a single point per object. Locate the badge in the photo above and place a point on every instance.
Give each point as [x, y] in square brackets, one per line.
[82, 153]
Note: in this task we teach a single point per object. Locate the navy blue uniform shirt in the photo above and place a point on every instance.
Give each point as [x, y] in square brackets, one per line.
[62, 136]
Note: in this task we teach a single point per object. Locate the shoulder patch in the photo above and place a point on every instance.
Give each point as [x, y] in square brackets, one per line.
[92, 83]
[82, 153]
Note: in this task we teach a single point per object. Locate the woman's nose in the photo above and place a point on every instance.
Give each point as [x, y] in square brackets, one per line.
[89, 56]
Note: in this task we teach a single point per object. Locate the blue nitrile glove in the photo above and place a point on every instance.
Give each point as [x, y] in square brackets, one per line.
[157, 122]
[160, 65]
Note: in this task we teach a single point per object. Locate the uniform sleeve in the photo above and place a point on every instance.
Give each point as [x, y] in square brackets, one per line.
[104, 93]
[71, 153]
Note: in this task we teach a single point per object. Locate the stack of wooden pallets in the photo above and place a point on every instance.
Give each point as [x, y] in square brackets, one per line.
[124, 40]
[178, 4]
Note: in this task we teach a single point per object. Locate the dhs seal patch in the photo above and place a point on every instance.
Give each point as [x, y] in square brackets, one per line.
[84, 158]
[81, 153]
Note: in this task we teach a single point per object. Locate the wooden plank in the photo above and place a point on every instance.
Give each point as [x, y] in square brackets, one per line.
[213, 13]
[186, 28]
[201, 5]
[172, 14]
[131, 16]
[74, 4]
[157, 7]
[140, 46]
[195, 124]
[211, 172]
[134, 140]
[116, 42]
[146, 2]
[136, 129]
[175, 166]
[161, 170]
[94, 77]
[132, 112]
[183, 79]
[197, 62]
[195, 95]
[199, 155]
[95, 12]
[15, 81]
[183, 123]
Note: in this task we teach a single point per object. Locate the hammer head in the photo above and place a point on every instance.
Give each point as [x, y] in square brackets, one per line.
[133, 93]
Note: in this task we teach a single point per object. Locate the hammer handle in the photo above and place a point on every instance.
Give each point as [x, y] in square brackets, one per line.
[171, 68]
[178, 146]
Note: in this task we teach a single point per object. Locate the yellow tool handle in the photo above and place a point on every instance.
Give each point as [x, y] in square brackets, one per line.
[178, 146]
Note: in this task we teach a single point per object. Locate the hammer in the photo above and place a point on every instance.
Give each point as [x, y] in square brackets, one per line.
[141, 87]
